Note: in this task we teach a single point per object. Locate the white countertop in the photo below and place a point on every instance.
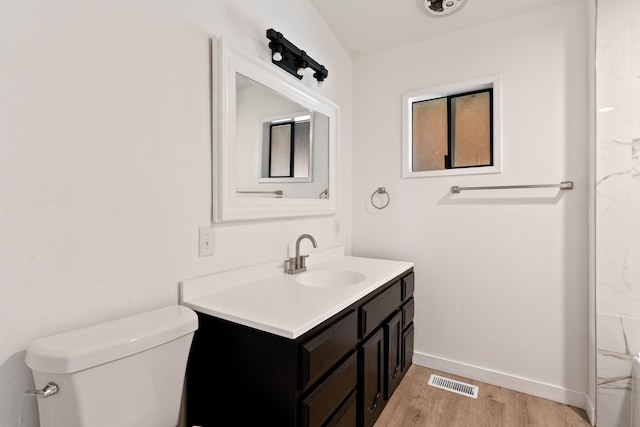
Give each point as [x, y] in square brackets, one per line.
[276, 303]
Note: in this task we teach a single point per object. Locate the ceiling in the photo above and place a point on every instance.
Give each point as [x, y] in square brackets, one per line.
[367, 26]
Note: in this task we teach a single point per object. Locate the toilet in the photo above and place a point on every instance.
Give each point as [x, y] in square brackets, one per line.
[127, 372]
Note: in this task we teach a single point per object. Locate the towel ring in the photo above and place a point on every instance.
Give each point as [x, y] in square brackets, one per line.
[380, 190]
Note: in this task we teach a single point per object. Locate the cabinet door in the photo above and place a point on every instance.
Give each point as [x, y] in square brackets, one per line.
[407, 348]
[372, 378]
[393, 350]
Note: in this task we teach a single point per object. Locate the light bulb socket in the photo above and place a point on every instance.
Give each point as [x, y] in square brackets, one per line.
[276, 51]
[301, 67]
[321, 74]
[301, 63]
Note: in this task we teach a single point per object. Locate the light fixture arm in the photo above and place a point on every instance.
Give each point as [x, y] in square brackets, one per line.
[290, 58]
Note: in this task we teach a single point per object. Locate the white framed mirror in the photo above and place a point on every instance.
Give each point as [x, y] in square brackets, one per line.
[274, 141]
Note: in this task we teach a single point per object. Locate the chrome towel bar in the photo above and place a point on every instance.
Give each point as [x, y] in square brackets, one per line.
[564, 185]
[277, 193]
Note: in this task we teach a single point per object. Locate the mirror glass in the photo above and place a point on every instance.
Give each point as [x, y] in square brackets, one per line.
[274, 141]
[282, 148]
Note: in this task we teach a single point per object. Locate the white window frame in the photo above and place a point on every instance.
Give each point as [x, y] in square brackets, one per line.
[408, 98]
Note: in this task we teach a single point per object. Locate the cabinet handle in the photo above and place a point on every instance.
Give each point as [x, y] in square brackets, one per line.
[375, 403]
[395, 371]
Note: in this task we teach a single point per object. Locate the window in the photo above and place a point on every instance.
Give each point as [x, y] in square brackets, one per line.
[452, 130]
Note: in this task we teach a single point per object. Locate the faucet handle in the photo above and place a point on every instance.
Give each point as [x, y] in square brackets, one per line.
[302, 266]
[289, 265]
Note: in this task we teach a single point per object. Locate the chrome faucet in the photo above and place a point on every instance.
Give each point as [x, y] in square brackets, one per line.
[297, 264]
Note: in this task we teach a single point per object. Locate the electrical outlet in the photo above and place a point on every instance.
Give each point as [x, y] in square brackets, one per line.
[205, 241]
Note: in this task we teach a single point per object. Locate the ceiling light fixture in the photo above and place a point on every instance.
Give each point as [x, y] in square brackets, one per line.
[440, 8]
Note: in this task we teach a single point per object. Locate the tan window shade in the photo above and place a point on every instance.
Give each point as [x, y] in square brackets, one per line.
[429, 134]
[471, 130]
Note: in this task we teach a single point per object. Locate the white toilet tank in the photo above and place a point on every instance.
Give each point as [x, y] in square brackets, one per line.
[127, 372]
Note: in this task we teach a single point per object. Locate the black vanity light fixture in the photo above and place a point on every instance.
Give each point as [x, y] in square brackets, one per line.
[293, 60]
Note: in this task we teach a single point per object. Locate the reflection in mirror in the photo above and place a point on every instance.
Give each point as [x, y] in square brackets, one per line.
[283, 148]
[287, 147]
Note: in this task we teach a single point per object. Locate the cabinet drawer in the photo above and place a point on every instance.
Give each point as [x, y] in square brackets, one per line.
[408, 286]
[327, 397]
[347, 415]
[407, 313]
[321, 352]
[373, 313]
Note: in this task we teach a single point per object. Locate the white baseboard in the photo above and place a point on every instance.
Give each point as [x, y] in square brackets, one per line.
[590, 409]
[511, 382]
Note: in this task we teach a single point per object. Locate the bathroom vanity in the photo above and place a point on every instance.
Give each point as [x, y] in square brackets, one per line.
[324, 347]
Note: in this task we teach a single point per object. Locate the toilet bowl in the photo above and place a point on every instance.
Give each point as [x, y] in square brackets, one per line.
[127, 372]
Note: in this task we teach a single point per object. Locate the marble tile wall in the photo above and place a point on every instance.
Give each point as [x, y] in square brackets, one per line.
[617, 206]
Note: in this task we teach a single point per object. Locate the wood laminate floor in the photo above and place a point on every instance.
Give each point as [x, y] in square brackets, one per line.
[415, 403]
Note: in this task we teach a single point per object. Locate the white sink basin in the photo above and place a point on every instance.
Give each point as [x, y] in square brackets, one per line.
[329, 278]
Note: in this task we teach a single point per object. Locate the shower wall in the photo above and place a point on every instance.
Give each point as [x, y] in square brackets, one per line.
[617, 206]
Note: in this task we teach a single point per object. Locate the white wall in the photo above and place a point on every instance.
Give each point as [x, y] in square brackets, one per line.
[501, 276]
[105, 155]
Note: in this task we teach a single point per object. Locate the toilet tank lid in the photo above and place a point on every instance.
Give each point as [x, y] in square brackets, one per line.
[84, 348]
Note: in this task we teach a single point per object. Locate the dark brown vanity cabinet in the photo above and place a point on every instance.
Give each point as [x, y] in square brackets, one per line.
[340, 373]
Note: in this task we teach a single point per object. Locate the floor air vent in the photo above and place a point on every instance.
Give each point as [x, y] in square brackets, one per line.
[454, 386]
